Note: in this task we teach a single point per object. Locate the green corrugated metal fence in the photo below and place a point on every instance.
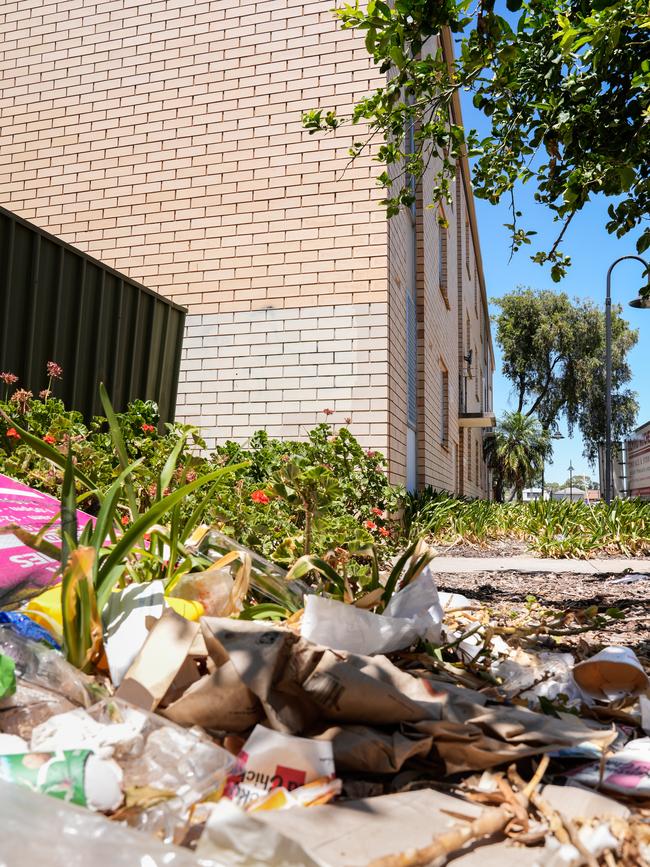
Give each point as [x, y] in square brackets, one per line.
[58, 304]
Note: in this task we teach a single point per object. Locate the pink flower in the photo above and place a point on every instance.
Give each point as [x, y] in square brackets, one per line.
[44, 394]
[54, 370]
[370, 525]
[48, 438]
[260, 497]
[8, 378]
[370, 453]
[376, 511]
[328, 412]
[348, 420]
[21, 398]
[12, 433]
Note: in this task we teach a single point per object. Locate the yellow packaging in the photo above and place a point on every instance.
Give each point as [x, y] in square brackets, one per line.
[45, 609]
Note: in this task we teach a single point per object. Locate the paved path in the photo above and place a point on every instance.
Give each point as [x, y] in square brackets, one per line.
[525, 563]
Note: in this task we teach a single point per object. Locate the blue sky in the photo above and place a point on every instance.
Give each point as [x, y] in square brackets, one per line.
[592, 250]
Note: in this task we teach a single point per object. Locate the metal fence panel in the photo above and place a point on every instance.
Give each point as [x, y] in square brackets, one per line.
[58, 304]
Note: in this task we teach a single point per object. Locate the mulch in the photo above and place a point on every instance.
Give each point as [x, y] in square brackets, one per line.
[505, 592]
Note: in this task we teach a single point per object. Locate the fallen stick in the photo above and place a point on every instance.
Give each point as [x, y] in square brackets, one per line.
[490, 821]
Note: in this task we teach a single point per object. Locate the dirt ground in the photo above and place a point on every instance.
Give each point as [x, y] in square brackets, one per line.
[505, 592]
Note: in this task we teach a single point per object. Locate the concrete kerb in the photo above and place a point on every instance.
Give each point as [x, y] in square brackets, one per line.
[541, 564]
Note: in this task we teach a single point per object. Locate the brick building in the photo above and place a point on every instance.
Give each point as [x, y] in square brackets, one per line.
[164, 137]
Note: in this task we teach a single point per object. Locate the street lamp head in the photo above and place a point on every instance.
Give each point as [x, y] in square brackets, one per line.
[641, 303]
[557, 436]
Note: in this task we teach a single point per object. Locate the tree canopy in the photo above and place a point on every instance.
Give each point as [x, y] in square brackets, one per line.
[553, 350]
[565, 85]
[516, 452]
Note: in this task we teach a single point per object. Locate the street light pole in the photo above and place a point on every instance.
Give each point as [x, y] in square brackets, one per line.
[571, 481]
[639, 302]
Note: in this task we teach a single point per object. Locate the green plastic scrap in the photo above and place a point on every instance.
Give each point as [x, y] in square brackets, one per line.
[7, 676]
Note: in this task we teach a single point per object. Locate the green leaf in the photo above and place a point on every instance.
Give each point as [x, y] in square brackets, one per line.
[7, 676]
[69, 526]
[112, 565]
[264, 611]
[48, 452]
[170, 466]
[120, 448]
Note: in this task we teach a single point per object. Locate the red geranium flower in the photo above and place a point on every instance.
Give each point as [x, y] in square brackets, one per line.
[370, 525]
[12, 433]
[260, 497]
[384, 532]
[124, 520]
[48, 438]
[148, 428]
[376, 511]
[328, 412]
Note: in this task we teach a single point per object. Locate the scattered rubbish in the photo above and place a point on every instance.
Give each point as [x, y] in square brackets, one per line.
[266, 578]
[412, 613]
[209, 726]
[159, 661]
[626, 772]
[78, 776]
[270, 760]
[573, 802]
[41, 830]
[125, 624]
[24, 571]
[613, 673]
[532, 676]
[632, 578]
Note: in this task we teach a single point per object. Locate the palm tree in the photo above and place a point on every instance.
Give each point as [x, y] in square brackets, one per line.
[516, 452]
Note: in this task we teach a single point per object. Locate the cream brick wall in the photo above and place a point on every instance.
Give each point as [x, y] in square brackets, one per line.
[279, 369]
[164, 137]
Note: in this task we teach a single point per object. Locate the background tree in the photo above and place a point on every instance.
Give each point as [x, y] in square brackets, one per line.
[565, 85]
[553, 350]
[580, 481]
[515, 452]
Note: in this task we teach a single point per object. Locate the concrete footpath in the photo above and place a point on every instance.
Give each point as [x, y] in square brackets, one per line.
[526, 563]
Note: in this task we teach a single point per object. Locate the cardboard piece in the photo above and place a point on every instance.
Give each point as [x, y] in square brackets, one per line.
[159, 661]
[25, 572]
[350, 834]
[125, 624]
[574, 802]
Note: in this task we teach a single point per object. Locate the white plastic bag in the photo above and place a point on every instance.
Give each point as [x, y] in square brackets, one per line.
[412, 613]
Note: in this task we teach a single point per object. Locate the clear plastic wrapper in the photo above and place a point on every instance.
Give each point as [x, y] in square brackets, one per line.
[165, 769]
[47, 668]
[37, 829]
[268, 580]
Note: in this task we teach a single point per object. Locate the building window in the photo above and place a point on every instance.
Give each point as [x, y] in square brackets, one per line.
[444, 407]
[476, 391]
[469, 457]
[467, 250]
[478, 481]
[442, 261]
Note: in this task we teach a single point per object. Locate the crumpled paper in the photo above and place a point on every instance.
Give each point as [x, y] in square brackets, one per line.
[376, 715]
